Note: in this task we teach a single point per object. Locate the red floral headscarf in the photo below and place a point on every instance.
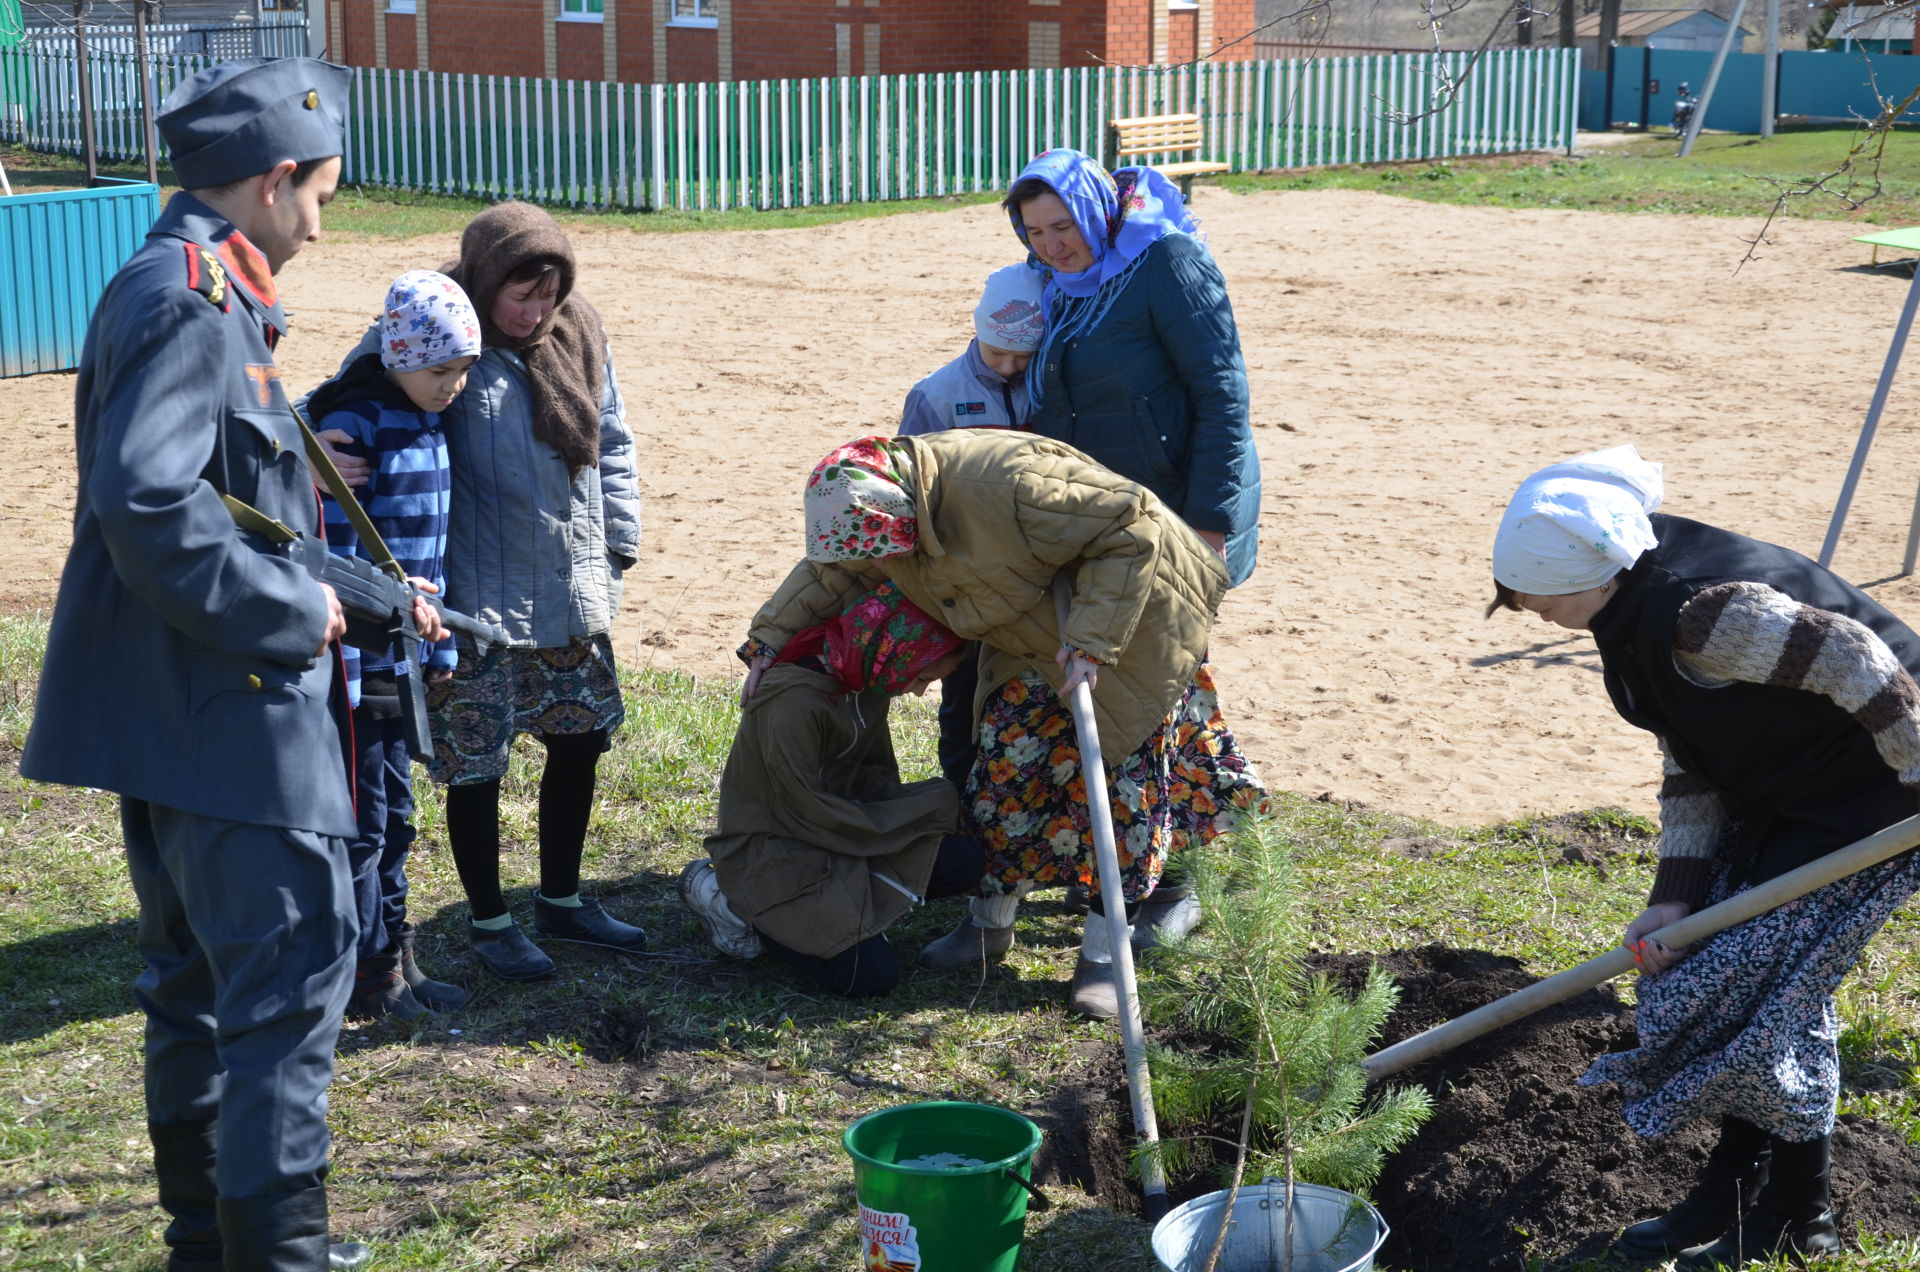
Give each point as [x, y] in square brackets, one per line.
[883, 641]
[858, 504]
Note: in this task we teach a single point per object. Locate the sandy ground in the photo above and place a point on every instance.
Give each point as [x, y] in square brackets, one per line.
[1409, 362]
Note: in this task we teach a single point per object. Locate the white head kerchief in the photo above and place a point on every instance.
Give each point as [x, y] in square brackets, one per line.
[1576, 524]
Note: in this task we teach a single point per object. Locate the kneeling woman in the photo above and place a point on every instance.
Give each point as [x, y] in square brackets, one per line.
[1786, 706]
[973, 526]
[820, 846]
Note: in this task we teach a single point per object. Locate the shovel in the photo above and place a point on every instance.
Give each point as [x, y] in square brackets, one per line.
[1133, 1037]
[1882, 845]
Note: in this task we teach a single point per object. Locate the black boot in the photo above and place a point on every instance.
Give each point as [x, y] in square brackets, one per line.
[1728, 1187]
[429, 993]
[183, 1168]
[380, 990]
[280, 1232]
[1792, 1217]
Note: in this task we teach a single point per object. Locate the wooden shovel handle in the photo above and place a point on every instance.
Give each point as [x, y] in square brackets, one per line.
[1882, 845]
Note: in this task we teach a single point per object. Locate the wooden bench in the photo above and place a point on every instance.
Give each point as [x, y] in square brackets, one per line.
[1161, 134]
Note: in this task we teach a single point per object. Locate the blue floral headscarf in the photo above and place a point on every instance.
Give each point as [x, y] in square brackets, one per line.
[1120, 217]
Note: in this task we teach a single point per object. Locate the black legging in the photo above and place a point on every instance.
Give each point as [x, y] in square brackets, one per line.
[566, 805]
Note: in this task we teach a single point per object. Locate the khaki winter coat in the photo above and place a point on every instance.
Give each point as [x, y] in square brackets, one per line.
[999, 515]
[819, 844]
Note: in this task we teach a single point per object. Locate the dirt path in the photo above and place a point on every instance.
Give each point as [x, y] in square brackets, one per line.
[1410, 363]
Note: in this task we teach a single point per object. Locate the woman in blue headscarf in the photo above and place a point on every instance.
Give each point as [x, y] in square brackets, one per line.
[1141, 365]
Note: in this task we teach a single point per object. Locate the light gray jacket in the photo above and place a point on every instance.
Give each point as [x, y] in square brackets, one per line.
[527, 548]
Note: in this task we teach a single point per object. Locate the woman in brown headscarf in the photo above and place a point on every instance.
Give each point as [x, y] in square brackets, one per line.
[544, 519]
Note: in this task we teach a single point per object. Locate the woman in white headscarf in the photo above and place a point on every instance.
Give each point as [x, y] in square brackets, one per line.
[1787, 711]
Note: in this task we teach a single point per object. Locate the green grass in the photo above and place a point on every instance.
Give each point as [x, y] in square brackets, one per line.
[678, 1110]
[1726, 175]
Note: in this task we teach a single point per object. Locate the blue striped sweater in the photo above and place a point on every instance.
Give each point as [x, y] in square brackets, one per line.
[406, 495]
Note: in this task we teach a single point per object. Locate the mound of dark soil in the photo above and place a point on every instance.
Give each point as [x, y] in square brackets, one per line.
[1516, 1160]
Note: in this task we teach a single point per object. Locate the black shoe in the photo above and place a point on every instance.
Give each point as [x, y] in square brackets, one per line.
[508, 954]
[1079, 899]
[1759, 1236]
[586, 924]
[429, 993]
[1729, 1186]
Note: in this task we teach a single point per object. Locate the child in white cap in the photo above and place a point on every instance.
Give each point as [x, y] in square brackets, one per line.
[985, 387]
[386, 408]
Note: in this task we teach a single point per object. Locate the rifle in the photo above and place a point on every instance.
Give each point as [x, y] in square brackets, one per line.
[375, 594]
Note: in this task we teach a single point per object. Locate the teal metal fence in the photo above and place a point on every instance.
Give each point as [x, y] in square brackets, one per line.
[57, 251]
[794, 142]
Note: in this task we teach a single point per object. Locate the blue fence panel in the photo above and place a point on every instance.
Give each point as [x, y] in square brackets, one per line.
[1840, 85]
[57, 252]
[1736, 98]
[1593, 101]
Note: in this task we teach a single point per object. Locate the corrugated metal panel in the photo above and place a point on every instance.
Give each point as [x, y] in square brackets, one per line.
[57, 252]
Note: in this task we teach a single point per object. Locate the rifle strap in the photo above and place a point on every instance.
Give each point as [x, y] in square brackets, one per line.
[377, 550]
[248, 517]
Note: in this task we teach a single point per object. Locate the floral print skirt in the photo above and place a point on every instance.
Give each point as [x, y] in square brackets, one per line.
[573, 688]
[1026, 800]
[1745, 1025]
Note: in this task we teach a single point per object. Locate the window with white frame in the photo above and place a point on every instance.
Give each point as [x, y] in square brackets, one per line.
[583, 10]
[400, 6]
[694, 13]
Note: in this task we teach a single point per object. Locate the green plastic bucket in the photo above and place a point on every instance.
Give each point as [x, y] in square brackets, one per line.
[942, 1186]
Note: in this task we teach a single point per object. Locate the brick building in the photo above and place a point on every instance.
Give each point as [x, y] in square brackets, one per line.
[648, 41]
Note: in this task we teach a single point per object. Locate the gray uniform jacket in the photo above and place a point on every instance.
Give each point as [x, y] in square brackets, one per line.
[529, 548]
[180, 667]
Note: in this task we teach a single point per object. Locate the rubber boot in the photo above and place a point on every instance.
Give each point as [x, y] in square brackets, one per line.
[1728, 1187]
[1793, 1215]
[183, 1168]
[429, 993]
[1096, 991]
[1170, 913]
[984, 936]
[380, 990]
[280, 1232]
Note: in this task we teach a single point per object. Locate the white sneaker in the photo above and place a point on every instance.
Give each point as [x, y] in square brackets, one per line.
[730, 934]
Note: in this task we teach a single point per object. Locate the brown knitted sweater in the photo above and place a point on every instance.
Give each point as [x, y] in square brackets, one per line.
[1749, 632]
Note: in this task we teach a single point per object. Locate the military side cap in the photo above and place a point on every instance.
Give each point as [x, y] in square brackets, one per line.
[238, 119]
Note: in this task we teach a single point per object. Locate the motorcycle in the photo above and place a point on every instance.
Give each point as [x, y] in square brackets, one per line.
[1684, 104]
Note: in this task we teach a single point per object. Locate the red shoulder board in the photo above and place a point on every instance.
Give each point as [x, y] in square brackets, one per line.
[206, 275]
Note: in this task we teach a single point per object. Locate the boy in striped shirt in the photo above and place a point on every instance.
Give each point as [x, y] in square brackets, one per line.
[386, 408]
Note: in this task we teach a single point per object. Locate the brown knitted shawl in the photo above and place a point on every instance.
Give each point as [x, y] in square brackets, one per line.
[566, 354]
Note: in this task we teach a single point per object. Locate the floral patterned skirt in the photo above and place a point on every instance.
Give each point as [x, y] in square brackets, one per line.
[1026, 800]
[1745, 1024]
[573, 688]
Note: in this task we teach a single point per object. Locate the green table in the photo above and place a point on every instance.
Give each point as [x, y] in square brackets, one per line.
[1907, 240]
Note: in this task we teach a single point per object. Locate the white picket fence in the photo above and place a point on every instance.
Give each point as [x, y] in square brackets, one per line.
[794, 142]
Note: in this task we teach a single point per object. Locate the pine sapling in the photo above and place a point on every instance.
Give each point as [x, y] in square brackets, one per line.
[1264, 1040]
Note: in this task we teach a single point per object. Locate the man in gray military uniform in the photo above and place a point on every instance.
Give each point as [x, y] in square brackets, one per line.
[189, 669]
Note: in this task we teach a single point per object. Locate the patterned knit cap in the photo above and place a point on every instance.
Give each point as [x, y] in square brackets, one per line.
[858, 504]
[1009, 315]
[1574, 525]
[883, 641]
[427, 320]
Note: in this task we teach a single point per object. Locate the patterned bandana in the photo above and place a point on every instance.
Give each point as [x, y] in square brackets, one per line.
[1576, 524]
[1009, 315]
[427, 320]
[858, 504]
[1120, 216]
[883, 641]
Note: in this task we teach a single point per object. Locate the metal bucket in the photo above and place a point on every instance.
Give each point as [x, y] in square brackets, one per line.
[1333, 1231]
